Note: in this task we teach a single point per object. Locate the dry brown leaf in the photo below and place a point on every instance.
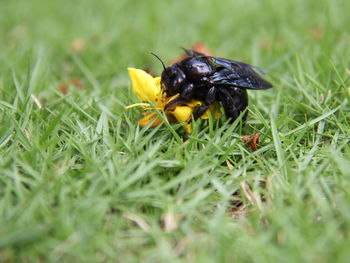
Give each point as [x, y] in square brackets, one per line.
[76, 83]
[138, 221]
[78, 45]
[252, 141]
[63, 87]
[169, 222]
[266, 44]
[252, 197]
[229, 164]
[202, 48]
[316, 32]
[321, 98]
[36, 101]
[199, 47]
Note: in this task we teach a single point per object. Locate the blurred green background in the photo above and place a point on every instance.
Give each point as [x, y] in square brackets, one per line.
[120, 33]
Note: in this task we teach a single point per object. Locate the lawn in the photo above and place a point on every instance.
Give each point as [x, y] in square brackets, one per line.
[80, 181]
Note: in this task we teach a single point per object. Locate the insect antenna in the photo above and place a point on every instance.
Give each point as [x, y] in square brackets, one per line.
[161, 61]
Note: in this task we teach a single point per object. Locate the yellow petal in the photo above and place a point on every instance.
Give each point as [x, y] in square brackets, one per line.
[137, 105]
[206, 114]
[217, 114]
[145, 86]
[157, 81]
[212, 108]
[188, 128]
[182, 113]
[149, 117]
[194, 103]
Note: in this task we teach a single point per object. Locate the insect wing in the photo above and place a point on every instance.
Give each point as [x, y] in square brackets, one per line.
[238, 74]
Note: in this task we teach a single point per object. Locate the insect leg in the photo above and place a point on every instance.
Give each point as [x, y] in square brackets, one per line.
[211, 97]
[174, 102]
[231, 104]
[185, 95]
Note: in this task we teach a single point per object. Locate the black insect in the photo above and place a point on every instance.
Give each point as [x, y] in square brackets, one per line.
[209, 79]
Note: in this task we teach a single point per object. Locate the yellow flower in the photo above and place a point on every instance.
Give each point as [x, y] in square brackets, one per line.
[149, 89]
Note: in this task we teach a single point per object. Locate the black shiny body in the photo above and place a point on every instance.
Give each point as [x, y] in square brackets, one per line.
[211, 79]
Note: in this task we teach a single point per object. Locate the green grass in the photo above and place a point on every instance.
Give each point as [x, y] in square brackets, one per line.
[81, 182]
